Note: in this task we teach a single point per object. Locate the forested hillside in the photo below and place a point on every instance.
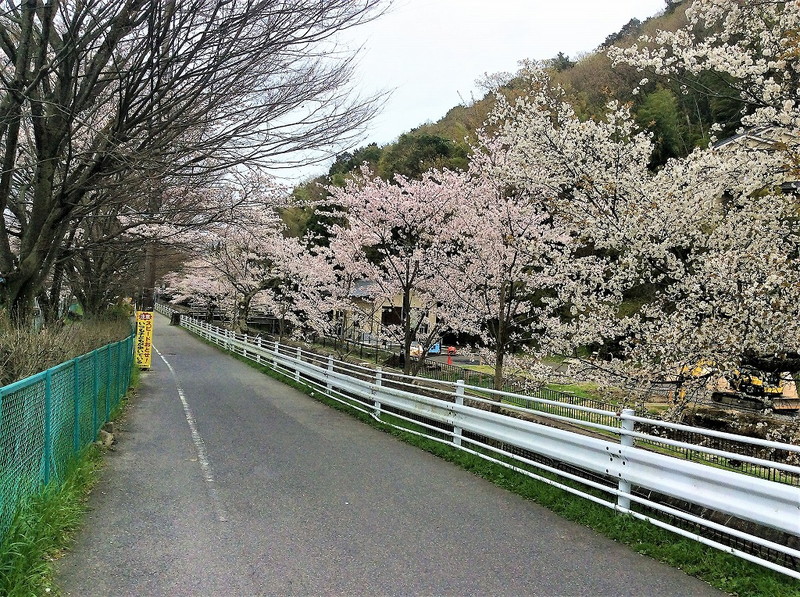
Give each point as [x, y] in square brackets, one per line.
[678, 115]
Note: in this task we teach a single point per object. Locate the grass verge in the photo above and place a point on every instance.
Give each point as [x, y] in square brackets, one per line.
[586, 390]
[44, 526]
[719, 569]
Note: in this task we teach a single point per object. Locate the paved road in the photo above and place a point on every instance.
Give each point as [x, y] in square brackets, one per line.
[251, 488]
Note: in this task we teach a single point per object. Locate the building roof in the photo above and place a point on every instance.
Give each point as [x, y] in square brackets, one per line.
[762, 137]
[364, 289]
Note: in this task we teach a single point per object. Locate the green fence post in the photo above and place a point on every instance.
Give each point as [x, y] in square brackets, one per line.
[108, 383]
[126, 364]
[126, 370]
[129, 353]
[113, 382]
[76, 436]
[117, 374]
[48, 423]
[121, 387]
[95, 390]
[123, 384]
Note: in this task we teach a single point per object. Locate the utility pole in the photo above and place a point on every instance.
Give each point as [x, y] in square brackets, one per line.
[149, 278]
[160, 38]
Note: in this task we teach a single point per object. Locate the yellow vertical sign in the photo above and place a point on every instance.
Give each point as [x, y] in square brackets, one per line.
[144, 338]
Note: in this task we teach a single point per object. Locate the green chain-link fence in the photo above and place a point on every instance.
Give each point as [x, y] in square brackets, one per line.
[47, 418]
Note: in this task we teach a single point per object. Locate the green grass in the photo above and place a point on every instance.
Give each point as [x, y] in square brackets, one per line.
[721, 570]
[353, 355]
[657, 407]
[487, 369]
[586, 390]
[43, 527]
[589, 391]
[555, 359]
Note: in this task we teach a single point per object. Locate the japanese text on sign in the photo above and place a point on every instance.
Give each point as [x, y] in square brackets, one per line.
[144, 338]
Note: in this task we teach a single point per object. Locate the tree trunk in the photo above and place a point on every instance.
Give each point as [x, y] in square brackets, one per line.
[50, 300]
[500, 339]
[407, 332]
[42, 238]
[243, 313]
[500, 354]
[343, 332]
[19, 300]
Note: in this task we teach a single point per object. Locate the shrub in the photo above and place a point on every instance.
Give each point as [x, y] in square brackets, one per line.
[25, 351]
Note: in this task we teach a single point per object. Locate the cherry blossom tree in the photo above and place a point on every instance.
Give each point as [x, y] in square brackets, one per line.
[751, 51]
[254, 264]
[277, 282]
[101, 259]
[704, 240]
[393, 237]
[246, 253]
[199, 284]
[505, 260]
[562, 236]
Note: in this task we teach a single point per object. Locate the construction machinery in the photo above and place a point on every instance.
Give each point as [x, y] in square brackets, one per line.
[755, 389]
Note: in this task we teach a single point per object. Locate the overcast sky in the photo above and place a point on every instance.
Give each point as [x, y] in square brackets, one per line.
[429, 53]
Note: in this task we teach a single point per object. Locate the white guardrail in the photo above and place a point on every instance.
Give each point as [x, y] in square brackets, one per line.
[601, 461]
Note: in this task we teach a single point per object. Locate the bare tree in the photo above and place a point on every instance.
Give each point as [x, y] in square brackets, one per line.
[97, 93]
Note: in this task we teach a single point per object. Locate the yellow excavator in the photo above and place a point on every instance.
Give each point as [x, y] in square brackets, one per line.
[749, 388]
[752, 388]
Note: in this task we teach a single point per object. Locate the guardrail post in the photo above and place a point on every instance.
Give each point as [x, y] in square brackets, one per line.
[48, 424]
[297, 369]
[379, 383]
[460, 401]
[329, 374]
[625, 440]
[258, 353]
[76, 411]
[275, 358]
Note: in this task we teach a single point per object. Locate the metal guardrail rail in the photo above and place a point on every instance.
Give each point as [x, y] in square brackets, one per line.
[617, 459]
[46, 419]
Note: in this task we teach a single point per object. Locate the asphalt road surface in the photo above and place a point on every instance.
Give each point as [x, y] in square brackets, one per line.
[225, 482]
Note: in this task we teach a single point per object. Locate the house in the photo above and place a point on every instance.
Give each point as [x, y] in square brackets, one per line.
[373, 313]
[768, 139]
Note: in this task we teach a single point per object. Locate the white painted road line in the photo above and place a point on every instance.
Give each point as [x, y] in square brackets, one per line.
[202, 458]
